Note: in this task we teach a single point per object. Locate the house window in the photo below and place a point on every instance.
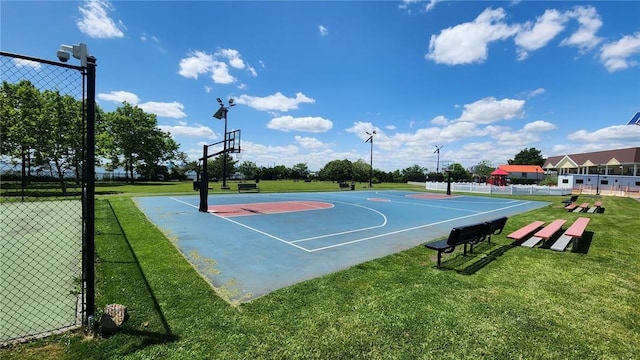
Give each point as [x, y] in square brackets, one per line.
[524, 175]
[565, 181]
[579, 181]
[637, 183]
[604, 182]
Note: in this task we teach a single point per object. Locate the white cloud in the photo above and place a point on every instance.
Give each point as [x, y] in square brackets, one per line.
[189, 131]
[615, 55]
[233, 56]
[539, 126]
[323, 30]
[489, 110]
[536, 92]
[171, 110]
[119, 97]
[467, 43]
[585, 37]
[95, 21]
[220, 74]
[533, 36]
[27, 63]
[626, 134]
[199, 62]
[307, 124]
[309, 142]
[275, 102]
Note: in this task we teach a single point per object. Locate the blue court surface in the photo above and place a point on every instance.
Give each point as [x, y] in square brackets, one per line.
[251, 244]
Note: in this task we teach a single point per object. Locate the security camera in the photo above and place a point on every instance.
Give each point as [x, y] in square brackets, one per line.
[63, 56]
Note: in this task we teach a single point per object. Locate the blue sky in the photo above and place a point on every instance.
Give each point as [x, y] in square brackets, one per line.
[481, 80]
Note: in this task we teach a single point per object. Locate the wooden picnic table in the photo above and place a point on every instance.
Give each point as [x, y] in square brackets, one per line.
[545, 233]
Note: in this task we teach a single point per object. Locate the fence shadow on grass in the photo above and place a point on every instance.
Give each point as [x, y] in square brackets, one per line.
[147, 338]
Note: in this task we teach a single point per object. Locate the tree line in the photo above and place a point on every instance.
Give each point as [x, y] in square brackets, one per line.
[45, 130]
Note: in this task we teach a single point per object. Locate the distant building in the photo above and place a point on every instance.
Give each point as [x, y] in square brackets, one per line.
[615, 172]
[524, 172]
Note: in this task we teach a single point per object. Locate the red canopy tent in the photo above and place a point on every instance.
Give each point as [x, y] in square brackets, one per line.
[498, 177]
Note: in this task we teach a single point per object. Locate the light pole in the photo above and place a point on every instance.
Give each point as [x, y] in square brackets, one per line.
[222, 114]
[370, 140]
[88, 68]
[438, 163]
[598, 182]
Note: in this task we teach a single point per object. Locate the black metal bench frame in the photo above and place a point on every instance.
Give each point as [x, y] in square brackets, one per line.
[344, 186]
[571, 200]
[470, 234]
[248, 187]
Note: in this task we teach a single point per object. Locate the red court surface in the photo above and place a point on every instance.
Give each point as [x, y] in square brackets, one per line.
[267, 208]
[262, 242]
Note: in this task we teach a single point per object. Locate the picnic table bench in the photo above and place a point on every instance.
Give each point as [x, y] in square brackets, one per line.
[596, 207]
[573, 233]
[545, 233]
[248, 187]
[571, 207]
[525, 231]
[583, 207]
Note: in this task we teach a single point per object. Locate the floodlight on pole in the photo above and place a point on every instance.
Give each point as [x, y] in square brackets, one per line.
[438, 152]
[370, 140]
[222, 114]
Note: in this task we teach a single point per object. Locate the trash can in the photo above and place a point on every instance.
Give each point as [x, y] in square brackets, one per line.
[353, 186]
[196, 185]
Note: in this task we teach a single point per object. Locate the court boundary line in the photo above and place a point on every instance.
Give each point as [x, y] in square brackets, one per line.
[412, 228]
[293, 243]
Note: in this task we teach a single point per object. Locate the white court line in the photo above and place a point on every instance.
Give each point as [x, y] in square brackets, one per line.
[292, 243]
[409, 229]
[245, 226]
[384, 222]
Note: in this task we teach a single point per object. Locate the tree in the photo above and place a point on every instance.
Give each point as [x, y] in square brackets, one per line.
[458, 173]
[135, 142]
[20, 110]
[483, 170]
[361, 171]
[214, 166]
[60, 140]
[414, 173]
[249, 169]
[300, 171]
[527, 156]
[159, 150]
[336, 170]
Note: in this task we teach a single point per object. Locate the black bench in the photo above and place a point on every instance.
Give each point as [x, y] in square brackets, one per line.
[248, 187]
[493, 227]
[345, 186]
[571, 200]
[459, 236]
[471, 234]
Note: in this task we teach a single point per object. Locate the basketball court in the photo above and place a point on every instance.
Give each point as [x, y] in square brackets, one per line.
[252, 244]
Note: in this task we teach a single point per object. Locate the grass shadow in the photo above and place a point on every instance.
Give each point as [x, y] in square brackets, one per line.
[486, 258]
[148, 338]
[584, 244]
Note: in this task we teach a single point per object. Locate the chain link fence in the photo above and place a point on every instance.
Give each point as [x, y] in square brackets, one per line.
[42, 202]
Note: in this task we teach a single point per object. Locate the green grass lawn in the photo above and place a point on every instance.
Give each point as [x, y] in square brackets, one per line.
[503, 302]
